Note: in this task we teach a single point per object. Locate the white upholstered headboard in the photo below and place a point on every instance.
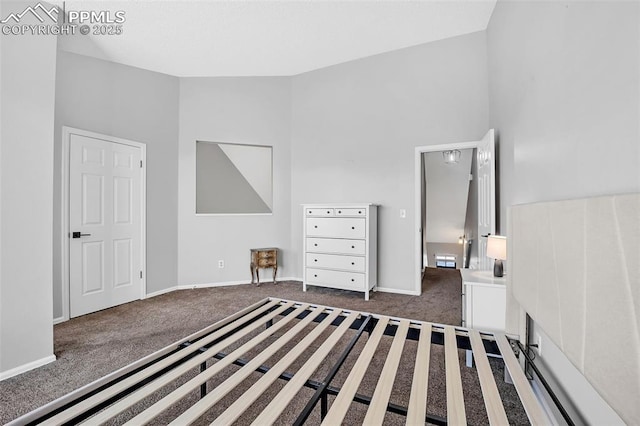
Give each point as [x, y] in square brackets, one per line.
[575, 269]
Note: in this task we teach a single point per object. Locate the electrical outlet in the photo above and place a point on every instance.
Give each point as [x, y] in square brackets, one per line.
[220, 264]
[538, 340]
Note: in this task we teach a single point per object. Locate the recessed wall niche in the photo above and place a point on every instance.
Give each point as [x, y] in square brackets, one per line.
[233, 178]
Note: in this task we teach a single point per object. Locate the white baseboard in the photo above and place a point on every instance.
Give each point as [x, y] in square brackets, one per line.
[209, 285]
[290, 279]
[26, 367]
[193, 286]
[216, 284]
[231, 283]
[397, 291]
[59, 320]
[163, 291]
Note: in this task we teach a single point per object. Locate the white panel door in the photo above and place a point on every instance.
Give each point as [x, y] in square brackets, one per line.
[105, 219]
[486, 174]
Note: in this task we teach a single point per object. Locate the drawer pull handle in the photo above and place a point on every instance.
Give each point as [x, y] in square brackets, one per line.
[316, 226]
[353, 263]
[353, 247]
[353, 227]
[328, 211]
[352, 280]
[315, 245]
[339, 211]
[315, 275]
[359, 212]
[315, 260]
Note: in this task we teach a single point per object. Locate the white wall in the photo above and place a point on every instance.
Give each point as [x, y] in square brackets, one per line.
[355, 127]
[565, 100]
[564, 85]
[134, 104]
[447, 187]
[27, 83]
[236, 110]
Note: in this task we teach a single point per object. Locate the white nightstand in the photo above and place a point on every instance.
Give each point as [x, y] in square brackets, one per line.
[483, 301]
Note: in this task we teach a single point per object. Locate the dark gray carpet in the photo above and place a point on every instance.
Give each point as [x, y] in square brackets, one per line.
[97, 344]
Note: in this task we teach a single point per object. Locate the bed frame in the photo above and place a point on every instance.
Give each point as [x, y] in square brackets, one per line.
[264, 329]
[574, 271]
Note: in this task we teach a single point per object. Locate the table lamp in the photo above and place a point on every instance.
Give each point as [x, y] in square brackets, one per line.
[497, 249]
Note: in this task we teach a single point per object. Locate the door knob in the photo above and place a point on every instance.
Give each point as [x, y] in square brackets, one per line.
[78, 235]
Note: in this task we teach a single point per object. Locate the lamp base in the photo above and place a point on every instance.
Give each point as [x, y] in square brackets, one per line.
[497, 268]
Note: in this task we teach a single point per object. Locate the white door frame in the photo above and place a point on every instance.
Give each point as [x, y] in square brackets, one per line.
[417, 289]
[66, 136]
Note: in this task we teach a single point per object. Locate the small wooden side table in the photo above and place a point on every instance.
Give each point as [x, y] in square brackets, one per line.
[263, 258]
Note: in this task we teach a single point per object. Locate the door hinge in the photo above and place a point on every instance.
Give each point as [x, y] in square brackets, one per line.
[140, 163]
[140, 274]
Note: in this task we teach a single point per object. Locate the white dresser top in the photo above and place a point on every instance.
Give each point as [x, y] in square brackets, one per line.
[474, 276]
[343, 205]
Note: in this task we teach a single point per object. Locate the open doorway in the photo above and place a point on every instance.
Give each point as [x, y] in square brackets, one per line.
[460, 239]
[449, 215]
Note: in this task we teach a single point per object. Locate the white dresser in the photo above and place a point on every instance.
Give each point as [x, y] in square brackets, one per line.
[340, 246]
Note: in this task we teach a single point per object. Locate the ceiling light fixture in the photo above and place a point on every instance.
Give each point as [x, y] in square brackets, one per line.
[451, 156]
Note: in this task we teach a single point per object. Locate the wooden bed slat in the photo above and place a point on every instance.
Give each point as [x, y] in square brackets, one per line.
[456, 414]
[300, 377]
[200, 407]
[175, 396]
[529, 401]
[126, 383]
[378, 407]
[492, 401]
[175, 373]
[345, 396]
[417, 410]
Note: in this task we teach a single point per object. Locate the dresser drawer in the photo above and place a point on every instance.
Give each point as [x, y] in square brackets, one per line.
[319, 212]
[271, 254]
[336, 279]
[351, 212]
[336, 227]
[336, 261]
[266, 262]
[331, 245]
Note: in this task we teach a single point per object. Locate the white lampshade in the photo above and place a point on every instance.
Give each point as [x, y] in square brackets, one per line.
[497, 247]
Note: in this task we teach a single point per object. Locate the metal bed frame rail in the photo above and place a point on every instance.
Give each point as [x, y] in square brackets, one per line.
[250, 329]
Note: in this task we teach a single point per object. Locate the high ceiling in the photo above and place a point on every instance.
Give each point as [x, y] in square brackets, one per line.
[267, 37]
